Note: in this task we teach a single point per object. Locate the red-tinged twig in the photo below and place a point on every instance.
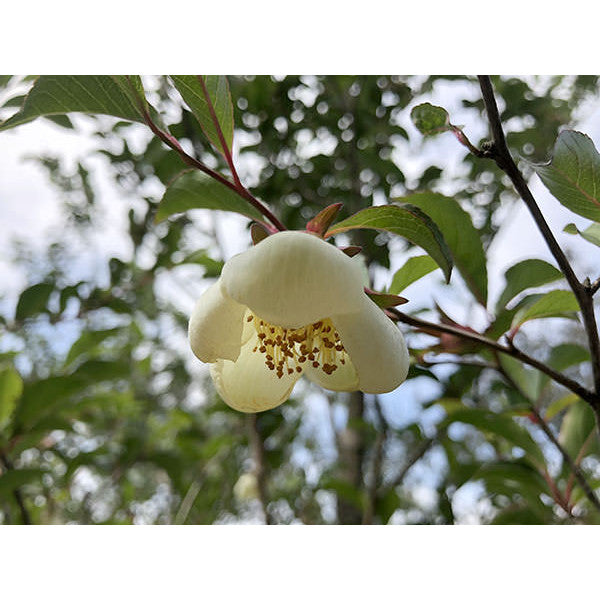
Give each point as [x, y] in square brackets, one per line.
[219, 130]
[511, 350]
[174, 144]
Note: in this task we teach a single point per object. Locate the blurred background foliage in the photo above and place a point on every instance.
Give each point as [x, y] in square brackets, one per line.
[121, 425]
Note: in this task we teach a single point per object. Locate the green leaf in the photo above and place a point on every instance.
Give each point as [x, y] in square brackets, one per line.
[591, 233]
[412, 270]
[404, 220]
[193, 189]
[88, 342]
[460, 235]
[212, 267]
[526, 274]
[44, 397]
[430, 119]
[520, 515]
[501, 425]
[555, 407]
[573, 174]
[529, 381]
[564, 356]
[33, 300]
[11, 480]
[219, 98]
[557, 303]
[61, 94]
[11, 388]
[577, 425]
[515, 478]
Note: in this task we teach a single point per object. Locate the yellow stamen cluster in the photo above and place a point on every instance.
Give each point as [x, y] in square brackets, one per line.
[289, 350]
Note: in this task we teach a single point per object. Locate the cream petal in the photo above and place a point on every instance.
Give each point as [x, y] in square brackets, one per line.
[343, 379]
[215, 328]
[376, 348]
[293, 278]
[247, 384]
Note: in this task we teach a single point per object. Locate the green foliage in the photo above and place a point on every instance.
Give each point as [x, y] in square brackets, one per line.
[11, 387]
[429, 119]
[404, 220]
[193, 189]
[105, 417]
[61, 94]
[526, 274]
[557, 303]
[205, 98]
[462, 238]
[572, 176]
[412, 270]
[590, 233]
[33, 300]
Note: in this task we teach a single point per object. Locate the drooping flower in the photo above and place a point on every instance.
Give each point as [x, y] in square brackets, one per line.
[293, 305]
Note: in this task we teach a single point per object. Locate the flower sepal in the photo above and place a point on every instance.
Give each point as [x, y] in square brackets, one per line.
[385, 300]
[321, 222]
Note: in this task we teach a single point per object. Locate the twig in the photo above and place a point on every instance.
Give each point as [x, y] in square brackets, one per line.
[511, 350]
[594, 287]
[377, 465]
[415, 457]
[25, 516]
[501, 155]
[187, 503]
[217, 124]
[577, 472]
[462, 363]
[174, 144]
[258, 455]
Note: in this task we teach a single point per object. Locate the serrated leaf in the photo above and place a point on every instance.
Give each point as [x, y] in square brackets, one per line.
[460, 235]
[407, 221]
[557, 303]
[11, 387]
[219, 99]
[573, 174]
[193, 189]
[33, 300]
[526, 274]
[430, 119]
[412, 270]
[591, 233]
[501, 425]
[62, 94]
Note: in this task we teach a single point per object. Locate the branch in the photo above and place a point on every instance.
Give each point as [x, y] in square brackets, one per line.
[577, 472]
[258, 455]
[565, 381]
[172, 142]
[369, 510]
[500, 153]
[594, 287]
[416, 456]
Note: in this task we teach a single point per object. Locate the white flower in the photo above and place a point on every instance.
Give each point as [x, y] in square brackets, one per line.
[292, 305]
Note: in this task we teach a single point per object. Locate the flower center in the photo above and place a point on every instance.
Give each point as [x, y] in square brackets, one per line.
[289, 350]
